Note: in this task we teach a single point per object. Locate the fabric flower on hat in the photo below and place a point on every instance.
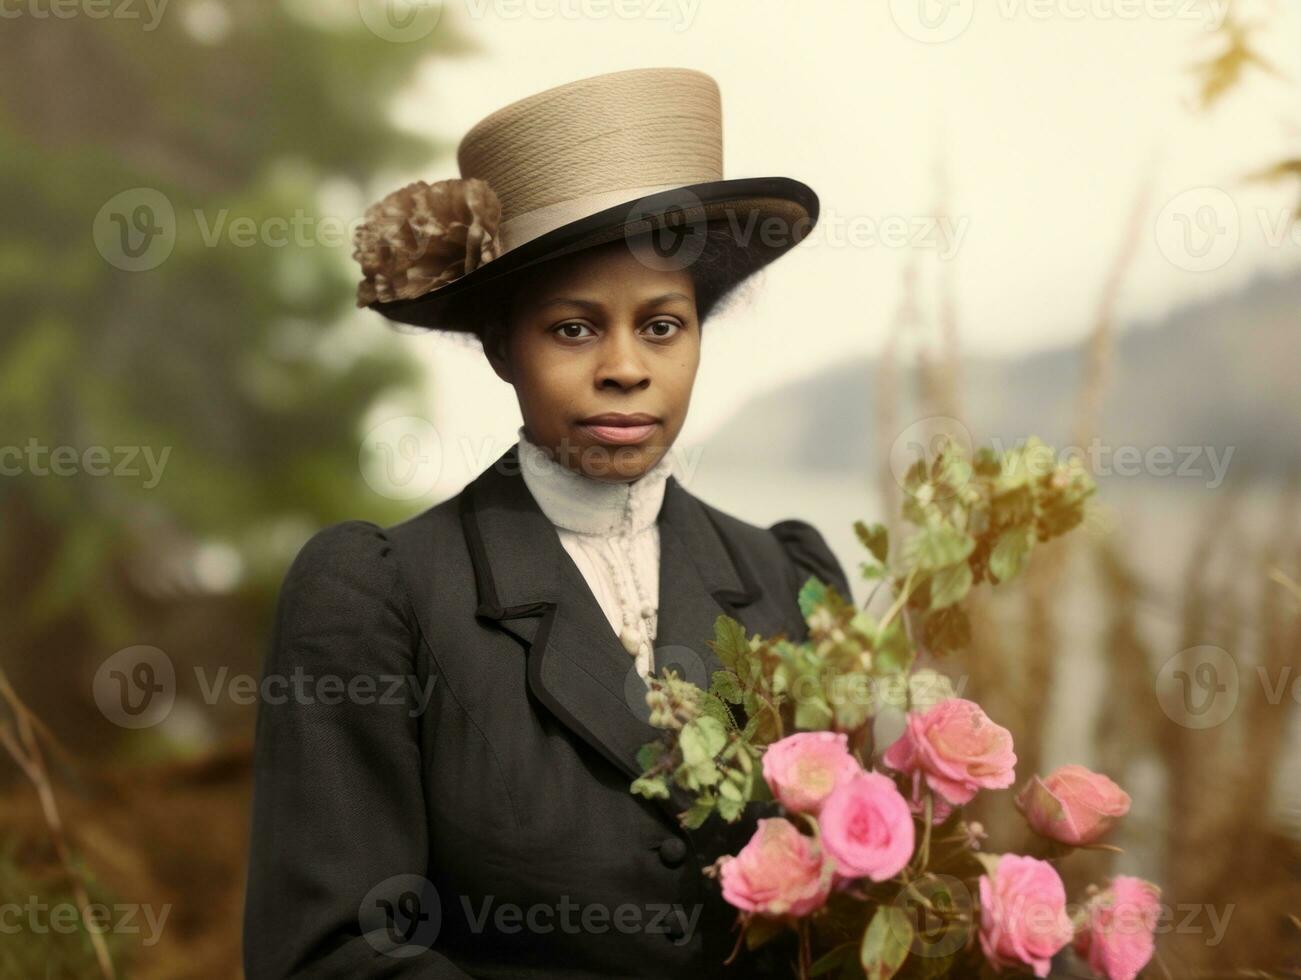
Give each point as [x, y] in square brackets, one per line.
[423, 236]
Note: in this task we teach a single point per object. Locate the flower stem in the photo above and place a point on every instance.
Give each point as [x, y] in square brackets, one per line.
[924, 852]
[898, 602]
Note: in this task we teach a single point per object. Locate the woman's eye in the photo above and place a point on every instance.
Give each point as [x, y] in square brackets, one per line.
[656, 332]
[570, 330]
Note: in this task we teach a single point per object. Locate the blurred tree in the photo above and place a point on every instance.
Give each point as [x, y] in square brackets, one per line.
[215, 365]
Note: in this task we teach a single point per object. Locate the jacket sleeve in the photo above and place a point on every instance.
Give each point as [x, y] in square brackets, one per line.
[338, 807]
[811, 555]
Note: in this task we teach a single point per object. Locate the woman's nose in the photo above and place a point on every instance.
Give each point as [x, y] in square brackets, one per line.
[621, 364]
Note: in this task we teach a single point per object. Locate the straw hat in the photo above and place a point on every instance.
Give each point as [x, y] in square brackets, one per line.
[630, 154]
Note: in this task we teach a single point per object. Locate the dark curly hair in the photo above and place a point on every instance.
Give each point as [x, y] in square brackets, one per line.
[723, 265]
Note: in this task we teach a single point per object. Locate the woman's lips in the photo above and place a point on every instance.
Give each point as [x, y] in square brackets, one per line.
[620, 434]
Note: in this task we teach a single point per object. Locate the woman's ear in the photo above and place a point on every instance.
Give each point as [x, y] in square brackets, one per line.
[493, 333]
[498, 357]
[495, 329]
[500, 365]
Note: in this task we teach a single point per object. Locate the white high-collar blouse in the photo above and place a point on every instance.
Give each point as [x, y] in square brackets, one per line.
[610, 531]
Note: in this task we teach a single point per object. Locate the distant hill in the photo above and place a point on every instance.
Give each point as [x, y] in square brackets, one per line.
[1221, 373]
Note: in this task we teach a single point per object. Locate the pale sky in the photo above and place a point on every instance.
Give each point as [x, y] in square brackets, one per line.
[1050, 116]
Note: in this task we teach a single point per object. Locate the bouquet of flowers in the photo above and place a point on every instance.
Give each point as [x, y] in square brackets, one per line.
[869, 859]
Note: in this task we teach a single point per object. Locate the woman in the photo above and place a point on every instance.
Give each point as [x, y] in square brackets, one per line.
[463, 809]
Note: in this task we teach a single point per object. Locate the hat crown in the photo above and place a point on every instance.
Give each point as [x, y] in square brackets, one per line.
[625, 131]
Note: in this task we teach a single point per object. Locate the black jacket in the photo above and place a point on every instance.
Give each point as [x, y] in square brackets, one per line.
[442, 789]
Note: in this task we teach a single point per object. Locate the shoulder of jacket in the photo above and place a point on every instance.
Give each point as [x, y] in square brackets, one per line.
[359, 548]
[343, 543]
[751, 537]
[794, 544]
[793, 537]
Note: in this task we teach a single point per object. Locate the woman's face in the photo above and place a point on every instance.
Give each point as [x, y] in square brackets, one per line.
[599, 333]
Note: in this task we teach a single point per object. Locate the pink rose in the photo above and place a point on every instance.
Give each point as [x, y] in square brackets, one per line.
[1073, 805]
[956, 749]
[1116, 938]
[1023, 916]
[802, 769]
[779, 872]
[867, 828]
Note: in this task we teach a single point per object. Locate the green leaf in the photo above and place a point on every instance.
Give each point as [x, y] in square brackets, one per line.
[854, 703]
[864, 624]
[1013, 507]
[813, 714]
[651, 787]
[698, 812]
[700, 741]
[831, 960]
[649, 754]
[886, 943]
[727, 686]
[947, 631]
[730, 643]
[730, 809]
[1008, 558]
[875, 538]
[728, 790]
[950, 585]
[985, 462]
[954, 473]
[933, 548]
[714, 707]
[893, 654]
[870, 571]
[812, 594]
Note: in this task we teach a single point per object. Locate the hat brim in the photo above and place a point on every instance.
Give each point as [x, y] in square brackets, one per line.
[747, 204]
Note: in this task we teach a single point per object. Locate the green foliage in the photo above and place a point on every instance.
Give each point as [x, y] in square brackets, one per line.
[245, 363]
[973, 521]
[40, 945]
[885, 943]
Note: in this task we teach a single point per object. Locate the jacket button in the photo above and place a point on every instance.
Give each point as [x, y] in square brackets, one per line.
[672, 851]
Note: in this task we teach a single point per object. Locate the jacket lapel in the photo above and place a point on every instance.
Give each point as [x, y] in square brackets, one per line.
[577, 667]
